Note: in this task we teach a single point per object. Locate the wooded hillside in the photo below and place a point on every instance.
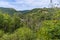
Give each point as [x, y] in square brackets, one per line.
[35, 24]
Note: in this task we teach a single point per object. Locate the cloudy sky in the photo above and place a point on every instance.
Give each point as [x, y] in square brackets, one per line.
[25, 4]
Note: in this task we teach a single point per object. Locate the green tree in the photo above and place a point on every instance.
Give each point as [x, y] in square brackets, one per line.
[1, 20]
[24, 33]
[50, 30]
[6, 22]
[15, 23]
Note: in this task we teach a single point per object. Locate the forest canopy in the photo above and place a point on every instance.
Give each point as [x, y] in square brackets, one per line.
[35, 24]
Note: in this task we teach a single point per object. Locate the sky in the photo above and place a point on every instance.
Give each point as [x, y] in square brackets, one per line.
[26, 4]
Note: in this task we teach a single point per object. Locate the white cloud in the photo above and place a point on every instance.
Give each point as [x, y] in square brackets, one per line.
[33, 3]
[2, 3]
[25, 4]
[7, 5]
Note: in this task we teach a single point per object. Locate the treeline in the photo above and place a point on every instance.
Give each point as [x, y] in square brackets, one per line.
[37, 24]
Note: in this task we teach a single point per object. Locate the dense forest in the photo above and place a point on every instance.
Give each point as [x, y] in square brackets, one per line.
[35, 24]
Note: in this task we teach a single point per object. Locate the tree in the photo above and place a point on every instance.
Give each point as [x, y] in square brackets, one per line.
[15, 23]
[6, 22]
[50, 30]
[1, 20]
[24, 33]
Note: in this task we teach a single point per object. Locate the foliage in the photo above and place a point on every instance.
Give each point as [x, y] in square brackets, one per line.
[35, 24]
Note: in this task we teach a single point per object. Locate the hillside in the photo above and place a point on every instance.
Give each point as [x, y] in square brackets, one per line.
[12, 11]
[35, 24]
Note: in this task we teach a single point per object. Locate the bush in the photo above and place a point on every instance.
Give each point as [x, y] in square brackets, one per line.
[50, 30]
[1, 33]
[24, 33]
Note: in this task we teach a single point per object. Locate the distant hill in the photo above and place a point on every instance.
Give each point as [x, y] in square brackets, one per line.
[25, 11]
[11, 10]
[7, 10]
[36, 10]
